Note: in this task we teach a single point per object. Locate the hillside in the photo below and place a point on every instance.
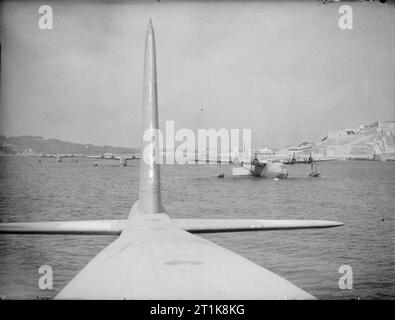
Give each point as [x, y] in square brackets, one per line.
[39, 145]
[367, 142]
[375, 142]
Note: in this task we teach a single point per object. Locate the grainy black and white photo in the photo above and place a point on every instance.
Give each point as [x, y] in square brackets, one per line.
[197, 150]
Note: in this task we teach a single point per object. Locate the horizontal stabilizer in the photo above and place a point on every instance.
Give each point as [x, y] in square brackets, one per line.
[115, 227]
[233, 225]
[89, 227]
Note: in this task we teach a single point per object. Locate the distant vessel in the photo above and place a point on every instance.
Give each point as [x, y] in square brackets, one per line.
[274, 166]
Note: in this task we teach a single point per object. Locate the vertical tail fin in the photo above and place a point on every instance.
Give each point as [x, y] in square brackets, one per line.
[149, 192]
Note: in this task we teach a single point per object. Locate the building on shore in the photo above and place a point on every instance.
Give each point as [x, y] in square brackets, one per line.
[367, 142]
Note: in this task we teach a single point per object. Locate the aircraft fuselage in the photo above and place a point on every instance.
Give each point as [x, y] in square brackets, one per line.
[268, 170]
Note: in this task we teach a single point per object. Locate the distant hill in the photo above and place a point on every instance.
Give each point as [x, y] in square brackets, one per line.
[39, 145]
[369, 142]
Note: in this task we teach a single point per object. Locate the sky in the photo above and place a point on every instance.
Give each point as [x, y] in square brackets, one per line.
[283, 69]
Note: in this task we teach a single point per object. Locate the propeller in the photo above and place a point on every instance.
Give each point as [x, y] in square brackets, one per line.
[293, 160]
[310, 160]
[255, 160]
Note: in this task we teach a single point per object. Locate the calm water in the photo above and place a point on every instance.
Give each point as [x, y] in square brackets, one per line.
[360, 194]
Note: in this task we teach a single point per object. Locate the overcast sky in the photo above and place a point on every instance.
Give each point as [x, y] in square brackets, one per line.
[283, 69]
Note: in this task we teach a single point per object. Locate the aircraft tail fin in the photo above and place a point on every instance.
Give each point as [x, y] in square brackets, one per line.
[149, 189]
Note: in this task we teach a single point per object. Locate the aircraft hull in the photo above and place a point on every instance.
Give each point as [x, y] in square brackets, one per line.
[270, 170]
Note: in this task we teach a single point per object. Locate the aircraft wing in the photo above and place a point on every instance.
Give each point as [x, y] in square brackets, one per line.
[211, 161]
[133, 157]
[115, 227]
[306, 160]
[154, 259]
[260, 160]
[322, 159]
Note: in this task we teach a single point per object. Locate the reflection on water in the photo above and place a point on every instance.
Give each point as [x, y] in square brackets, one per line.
[358, 193]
